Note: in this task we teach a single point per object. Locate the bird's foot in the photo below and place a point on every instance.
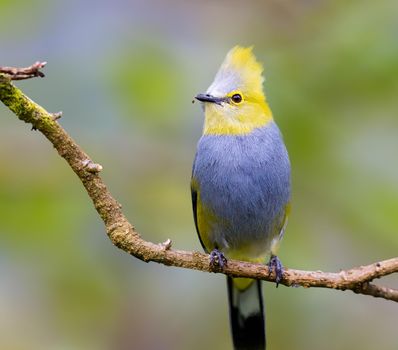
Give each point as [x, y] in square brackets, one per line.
[275, 265]
[217, 258]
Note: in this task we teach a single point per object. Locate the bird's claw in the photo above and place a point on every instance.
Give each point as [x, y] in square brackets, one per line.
[217, 258]
[275, 265]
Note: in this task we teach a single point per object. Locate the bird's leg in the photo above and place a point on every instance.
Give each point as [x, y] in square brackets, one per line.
[217, 258]
[275, 264]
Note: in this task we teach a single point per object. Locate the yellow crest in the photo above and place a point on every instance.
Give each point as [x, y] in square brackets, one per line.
[242, 71]
[235, 102]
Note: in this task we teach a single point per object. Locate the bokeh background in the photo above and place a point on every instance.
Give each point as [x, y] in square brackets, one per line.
[124, 74]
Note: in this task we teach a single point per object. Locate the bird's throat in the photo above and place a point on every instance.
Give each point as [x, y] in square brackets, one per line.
[220, 122]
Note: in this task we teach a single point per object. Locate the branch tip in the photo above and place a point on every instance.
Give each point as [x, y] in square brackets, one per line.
[17, 73]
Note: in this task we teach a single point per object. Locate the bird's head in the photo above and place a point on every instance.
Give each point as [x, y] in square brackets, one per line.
[234, 103]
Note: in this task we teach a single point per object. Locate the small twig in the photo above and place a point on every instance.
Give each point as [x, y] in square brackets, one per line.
[166, 245]
[56, 115]
[380, 292]
[15, 73]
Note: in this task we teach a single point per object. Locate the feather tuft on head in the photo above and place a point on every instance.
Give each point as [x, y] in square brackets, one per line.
[239, 71]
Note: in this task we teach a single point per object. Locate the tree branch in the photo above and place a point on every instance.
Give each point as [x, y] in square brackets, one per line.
[32, 71]
[123, 234]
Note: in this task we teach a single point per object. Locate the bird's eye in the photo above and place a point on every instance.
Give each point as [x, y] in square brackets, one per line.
[236, 98]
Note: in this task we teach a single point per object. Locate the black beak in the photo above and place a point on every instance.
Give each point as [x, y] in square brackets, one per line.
[209, 98]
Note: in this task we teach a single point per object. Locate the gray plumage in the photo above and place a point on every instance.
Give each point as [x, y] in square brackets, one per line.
[244, 180]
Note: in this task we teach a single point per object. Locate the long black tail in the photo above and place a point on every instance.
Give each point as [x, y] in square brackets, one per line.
[246, 314]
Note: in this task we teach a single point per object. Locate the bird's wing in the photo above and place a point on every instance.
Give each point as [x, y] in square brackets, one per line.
[194, 196]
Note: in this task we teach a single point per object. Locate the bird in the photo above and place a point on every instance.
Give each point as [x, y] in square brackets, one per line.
[241, 187]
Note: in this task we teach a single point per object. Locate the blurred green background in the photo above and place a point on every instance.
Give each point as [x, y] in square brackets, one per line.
[124, 74]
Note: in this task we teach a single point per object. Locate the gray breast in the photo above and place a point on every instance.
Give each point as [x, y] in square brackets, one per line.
[245, 182]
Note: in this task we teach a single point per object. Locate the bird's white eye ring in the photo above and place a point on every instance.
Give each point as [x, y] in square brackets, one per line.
[236, 98]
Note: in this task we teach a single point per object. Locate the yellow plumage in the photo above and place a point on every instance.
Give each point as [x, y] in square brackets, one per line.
[244, 72]
[242, 61]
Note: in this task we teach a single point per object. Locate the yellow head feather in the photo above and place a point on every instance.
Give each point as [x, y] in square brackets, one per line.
[241, 62]
[240, 74]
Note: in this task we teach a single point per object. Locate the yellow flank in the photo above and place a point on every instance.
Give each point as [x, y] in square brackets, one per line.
[205, 219]
[238, 118]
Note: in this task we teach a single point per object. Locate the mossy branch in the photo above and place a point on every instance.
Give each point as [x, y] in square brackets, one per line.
[122, 233]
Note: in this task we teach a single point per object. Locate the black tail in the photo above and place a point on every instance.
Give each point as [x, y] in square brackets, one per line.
[246, 314]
